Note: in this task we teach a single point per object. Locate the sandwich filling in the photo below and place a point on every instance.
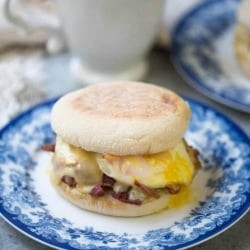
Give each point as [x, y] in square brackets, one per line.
[130, 179]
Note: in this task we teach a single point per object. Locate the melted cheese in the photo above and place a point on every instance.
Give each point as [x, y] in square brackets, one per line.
[77, 163]
[156, 171]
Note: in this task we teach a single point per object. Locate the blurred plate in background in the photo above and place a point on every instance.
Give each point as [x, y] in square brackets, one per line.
[202, 52]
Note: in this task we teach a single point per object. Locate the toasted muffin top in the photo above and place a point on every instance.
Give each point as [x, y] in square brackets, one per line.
[121, 118]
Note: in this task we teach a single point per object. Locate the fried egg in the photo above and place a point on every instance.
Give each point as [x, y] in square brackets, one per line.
[172, 167]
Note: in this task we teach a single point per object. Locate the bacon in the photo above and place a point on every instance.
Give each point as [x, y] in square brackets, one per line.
[48, 147]
[69, 180]
[174, 189]
[97, 190]
[107, 181]
[146, 190]
[123, 197]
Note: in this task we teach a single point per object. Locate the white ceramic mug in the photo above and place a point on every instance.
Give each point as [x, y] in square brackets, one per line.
[110, 38]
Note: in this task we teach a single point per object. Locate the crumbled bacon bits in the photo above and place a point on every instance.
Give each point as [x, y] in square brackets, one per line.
[146, 190]
[124, 197]
[174, 189]
[48, 147]
[69, 180]
[97, 190]
[108, 181]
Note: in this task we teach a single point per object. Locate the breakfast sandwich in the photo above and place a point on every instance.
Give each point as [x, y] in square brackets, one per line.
[120, 149]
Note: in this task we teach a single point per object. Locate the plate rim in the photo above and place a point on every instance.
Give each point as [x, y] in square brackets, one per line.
[202, 238]
[189, 76]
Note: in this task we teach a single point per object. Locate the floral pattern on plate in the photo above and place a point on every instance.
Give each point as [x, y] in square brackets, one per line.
[29, 203]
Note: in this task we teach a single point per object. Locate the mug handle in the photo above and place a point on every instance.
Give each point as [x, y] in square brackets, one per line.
[55, 44]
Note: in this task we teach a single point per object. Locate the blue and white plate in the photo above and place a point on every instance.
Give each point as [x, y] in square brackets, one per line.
[202, 51]
[220, 192]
